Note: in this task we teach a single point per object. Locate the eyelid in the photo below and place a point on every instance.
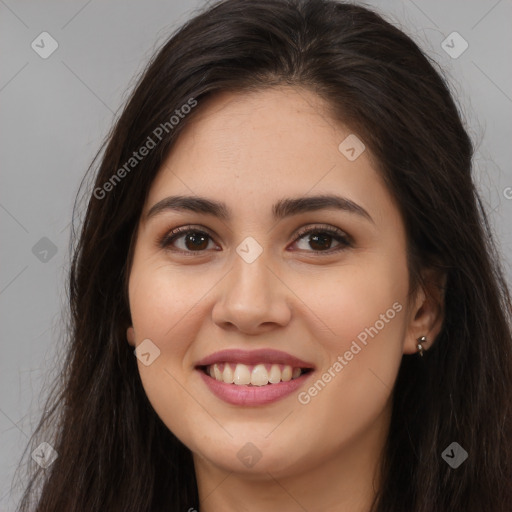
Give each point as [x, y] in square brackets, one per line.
[181, 230]
[322, 228]
[340, 235]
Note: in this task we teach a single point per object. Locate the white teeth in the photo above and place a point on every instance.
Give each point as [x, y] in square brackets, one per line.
[216, 372]
[242, 375]
[274, 376]
[259, 376]
[286, 374]
[227, 374]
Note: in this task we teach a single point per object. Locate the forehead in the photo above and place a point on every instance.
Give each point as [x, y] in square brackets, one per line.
[252, 148]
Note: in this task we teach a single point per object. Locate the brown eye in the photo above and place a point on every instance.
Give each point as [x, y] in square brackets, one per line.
[320, 239]
[194, 240]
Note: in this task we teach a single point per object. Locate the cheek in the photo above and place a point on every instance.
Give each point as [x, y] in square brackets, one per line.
[363, 317]
[350, 300]
[161, 306]
[159, 298]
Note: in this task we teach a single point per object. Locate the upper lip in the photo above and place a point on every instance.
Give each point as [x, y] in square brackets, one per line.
[263, 355]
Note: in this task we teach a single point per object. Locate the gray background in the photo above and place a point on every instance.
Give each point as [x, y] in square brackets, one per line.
[56, 111]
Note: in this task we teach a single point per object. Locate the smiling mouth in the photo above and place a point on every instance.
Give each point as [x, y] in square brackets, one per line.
[253, 375]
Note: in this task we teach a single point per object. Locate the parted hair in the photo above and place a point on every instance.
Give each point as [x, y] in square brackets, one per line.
[114, 452]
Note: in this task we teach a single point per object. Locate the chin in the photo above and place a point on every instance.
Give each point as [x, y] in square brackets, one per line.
[258, 457]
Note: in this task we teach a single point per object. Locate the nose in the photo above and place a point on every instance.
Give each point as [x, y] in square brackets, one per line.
[252, 298]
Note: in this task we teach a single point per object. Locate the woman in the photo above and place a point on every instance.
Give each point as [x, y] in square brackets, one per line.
[285, 233]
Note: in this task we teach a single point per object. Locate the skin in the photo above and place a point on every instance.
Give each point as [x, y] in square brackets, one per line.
[249, 150]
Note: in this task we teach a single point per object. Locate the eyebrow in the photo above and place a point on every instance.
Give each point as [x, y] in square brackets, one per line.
[281, 209]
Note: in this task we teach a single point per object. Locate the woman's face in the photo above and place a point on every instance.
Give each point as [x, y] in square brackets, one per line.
[252, 281]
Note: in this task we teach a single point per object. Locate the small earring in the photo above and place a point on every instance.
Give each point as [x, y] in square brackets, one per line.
[421, 340]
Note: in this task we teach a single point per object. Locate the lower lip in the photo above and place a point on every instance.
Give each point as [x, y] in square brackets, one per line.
[252, 395]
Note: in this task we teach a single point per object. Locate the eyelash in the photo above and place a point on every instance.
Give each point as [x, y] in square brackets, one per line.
[340, 236]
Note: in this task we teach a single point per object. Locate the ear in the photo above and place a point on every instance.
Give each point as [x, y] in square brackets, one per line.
[130, 336]
[426, 313]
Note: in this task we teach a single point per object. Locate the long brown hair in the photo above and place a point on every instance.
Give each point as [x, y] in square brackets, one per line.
[114, 452]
